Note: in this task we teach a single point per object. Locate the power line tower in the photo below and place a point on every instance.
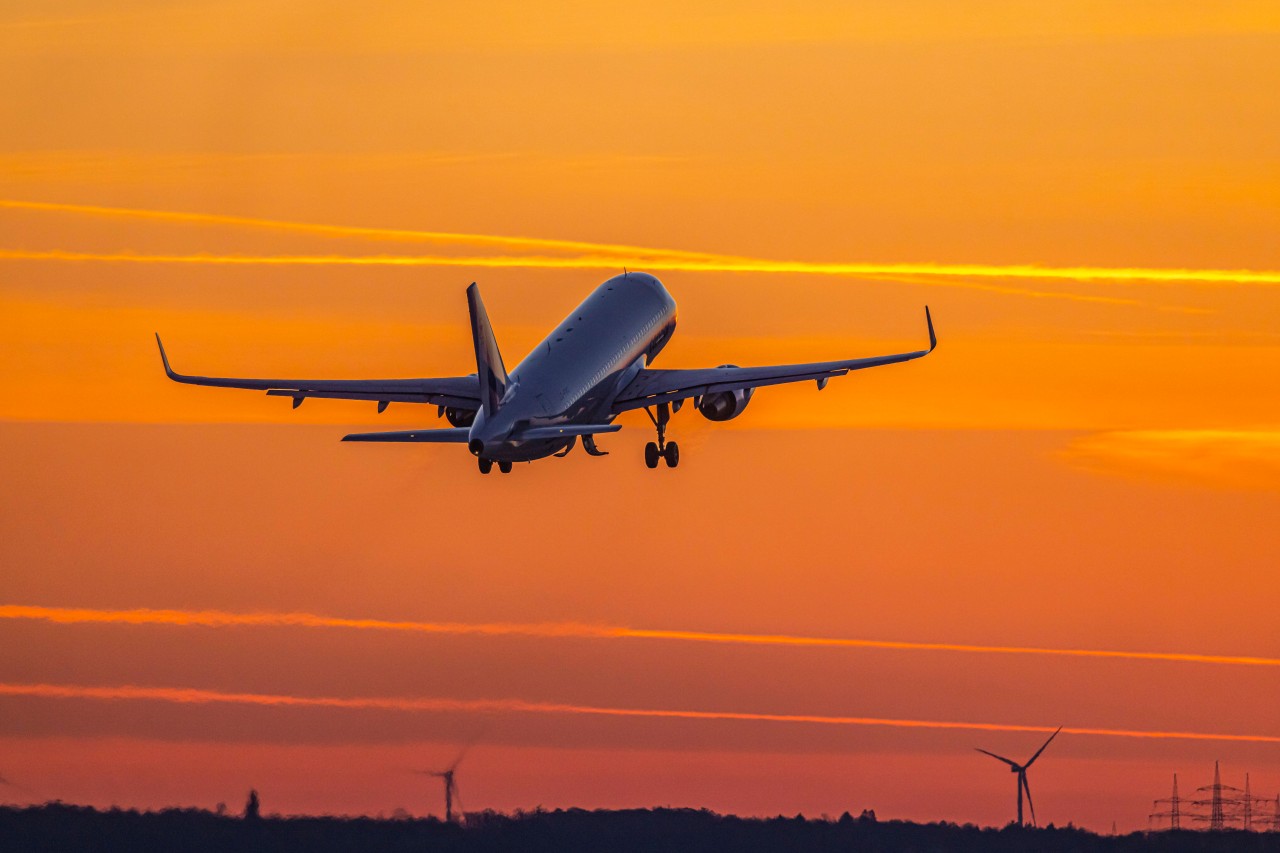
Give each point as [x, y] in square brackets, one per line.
[1248, 806]
[1225, 807]
[1254, 814]
[1174, 814]
[1217, 803]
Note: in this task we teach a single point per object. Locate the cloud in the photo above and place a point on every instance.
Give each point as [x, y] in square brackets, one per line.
[1243, 459]
[563, 630]
[403, 235]
[578, 254]
[191, 695]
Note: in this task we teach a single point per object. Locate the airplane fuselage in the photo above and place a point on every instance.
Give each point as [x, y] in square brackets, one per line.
[573, 375]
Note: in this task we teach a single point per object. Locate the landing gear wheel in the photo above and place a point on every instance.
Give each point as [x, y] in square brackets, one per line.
[672, 454]
[651, 454]
[661, 449]
[504, 466]
[486, 465]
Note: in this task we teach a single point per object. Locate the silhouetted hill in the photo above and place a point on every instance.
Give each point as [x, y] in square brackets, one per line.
[57, 827]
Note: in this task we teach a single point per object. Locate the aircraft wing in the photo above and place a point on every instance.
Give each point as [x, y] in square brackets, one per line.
[651, 387]
[458, 391]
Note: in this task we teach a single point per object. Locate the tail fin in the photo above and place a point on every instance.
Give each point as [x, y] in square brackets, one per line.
[489, 368]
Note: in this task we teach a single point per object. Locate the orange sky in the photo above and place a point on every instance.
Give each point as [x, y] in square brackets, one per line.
[1088, 462]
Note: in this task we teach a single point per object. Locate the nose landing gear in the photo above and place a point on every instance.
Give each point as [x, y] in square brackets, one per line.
[668, 451]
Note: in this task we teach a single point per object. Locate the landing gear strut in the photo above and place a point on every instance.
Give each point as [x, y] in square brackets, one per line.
[666, 450]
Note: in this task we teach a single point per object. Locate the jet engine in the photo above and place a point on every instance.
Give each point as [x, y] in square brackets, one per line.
[725, 405]
[459, 417]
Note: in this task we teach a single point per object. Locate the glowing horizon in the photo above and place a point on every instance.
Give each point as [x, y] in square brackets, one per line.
[570, 630]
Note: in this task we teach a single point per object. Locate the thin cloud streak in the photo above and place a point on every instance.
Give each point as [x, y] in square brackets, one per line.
[197, 696]
[1006, 290]
[407, 235]
[569, 630]
[938, 273]
[603, 255]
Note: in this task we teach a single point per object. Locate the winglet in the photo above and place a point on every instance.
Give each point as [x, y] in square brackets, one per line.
[933, 339]
[165, 359]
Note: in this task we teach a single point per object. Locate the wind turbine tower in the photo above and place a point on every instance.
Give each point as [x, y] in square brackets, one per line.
[450, 786]
[1021, 770]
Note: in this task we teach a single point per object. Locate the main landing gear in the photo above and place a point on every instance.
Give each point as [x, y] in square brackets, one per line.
[661, 449]
[486, 465]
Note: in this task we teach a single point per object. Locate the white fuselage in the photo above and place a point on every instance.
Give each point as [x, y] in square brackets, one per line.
[574, 374]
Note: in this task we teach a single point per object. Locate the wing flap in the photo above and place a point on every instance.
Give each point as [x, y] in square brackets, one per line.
[566, 431]
[379, 397]
[452, 435]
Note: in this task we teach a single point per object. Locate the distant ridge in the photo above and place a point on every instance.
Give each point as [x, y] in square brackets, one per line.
[58, 827]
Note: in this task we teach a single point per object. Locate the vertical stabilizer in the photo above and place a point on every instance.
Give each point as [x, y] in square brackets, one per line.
[489, 368]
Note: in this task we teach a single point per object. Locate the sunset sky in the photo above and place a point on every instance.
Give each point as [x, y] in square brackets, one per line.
[1087, 196]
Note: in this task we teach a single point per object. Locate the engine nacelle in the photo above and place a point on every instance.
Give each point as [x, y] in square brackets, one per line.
[725, 405]
[459, 417]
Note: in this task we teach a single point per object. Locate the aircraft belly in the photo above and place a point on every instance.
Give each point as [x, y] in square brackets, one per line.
[526, 451]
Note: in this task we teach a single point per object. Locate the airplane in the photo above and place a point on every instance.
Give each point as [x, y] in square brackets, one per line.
[593, 367]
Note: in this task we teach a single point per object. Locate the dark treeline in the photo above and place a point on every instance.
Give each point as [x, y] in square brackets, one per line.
[57, 827]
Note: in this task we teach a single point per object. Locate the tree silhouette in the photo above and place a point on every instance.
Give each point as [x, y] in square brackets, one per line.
[251, 806]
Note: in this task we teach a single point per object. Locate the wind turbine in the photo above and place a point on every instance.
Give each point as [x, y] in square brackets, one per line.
[450, 786]
[1021, 770]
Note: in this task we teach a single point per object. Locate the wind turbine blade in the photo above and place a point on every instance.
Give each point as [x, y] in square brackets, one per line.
[457, 803]
[1026, 786]
[997, 757]
[461, 755]
[8, 783]
[1041, 749]
[475, 738]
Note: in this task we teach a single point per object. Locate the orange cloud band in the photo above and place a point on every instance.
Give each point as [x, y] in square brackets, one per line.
[192, 695]
[597, 255]
[709, 264]
[405, 235]
[220, 618]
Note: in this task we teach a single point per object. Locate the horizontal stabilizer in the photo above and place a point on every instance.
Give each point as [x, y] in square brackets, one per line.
[566, 431]
[457, 435]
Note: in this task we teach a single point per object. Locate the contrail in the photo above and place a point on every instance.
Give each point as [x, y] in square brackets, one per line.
[198, 696]
[574, 630]
[595, 262]
[392, 234]
[597, 255]
[938, 273]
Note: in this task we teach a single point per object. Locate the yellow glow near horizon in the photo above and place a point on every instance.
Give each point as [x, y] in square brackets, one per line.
[198, 696]
[574, 630]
